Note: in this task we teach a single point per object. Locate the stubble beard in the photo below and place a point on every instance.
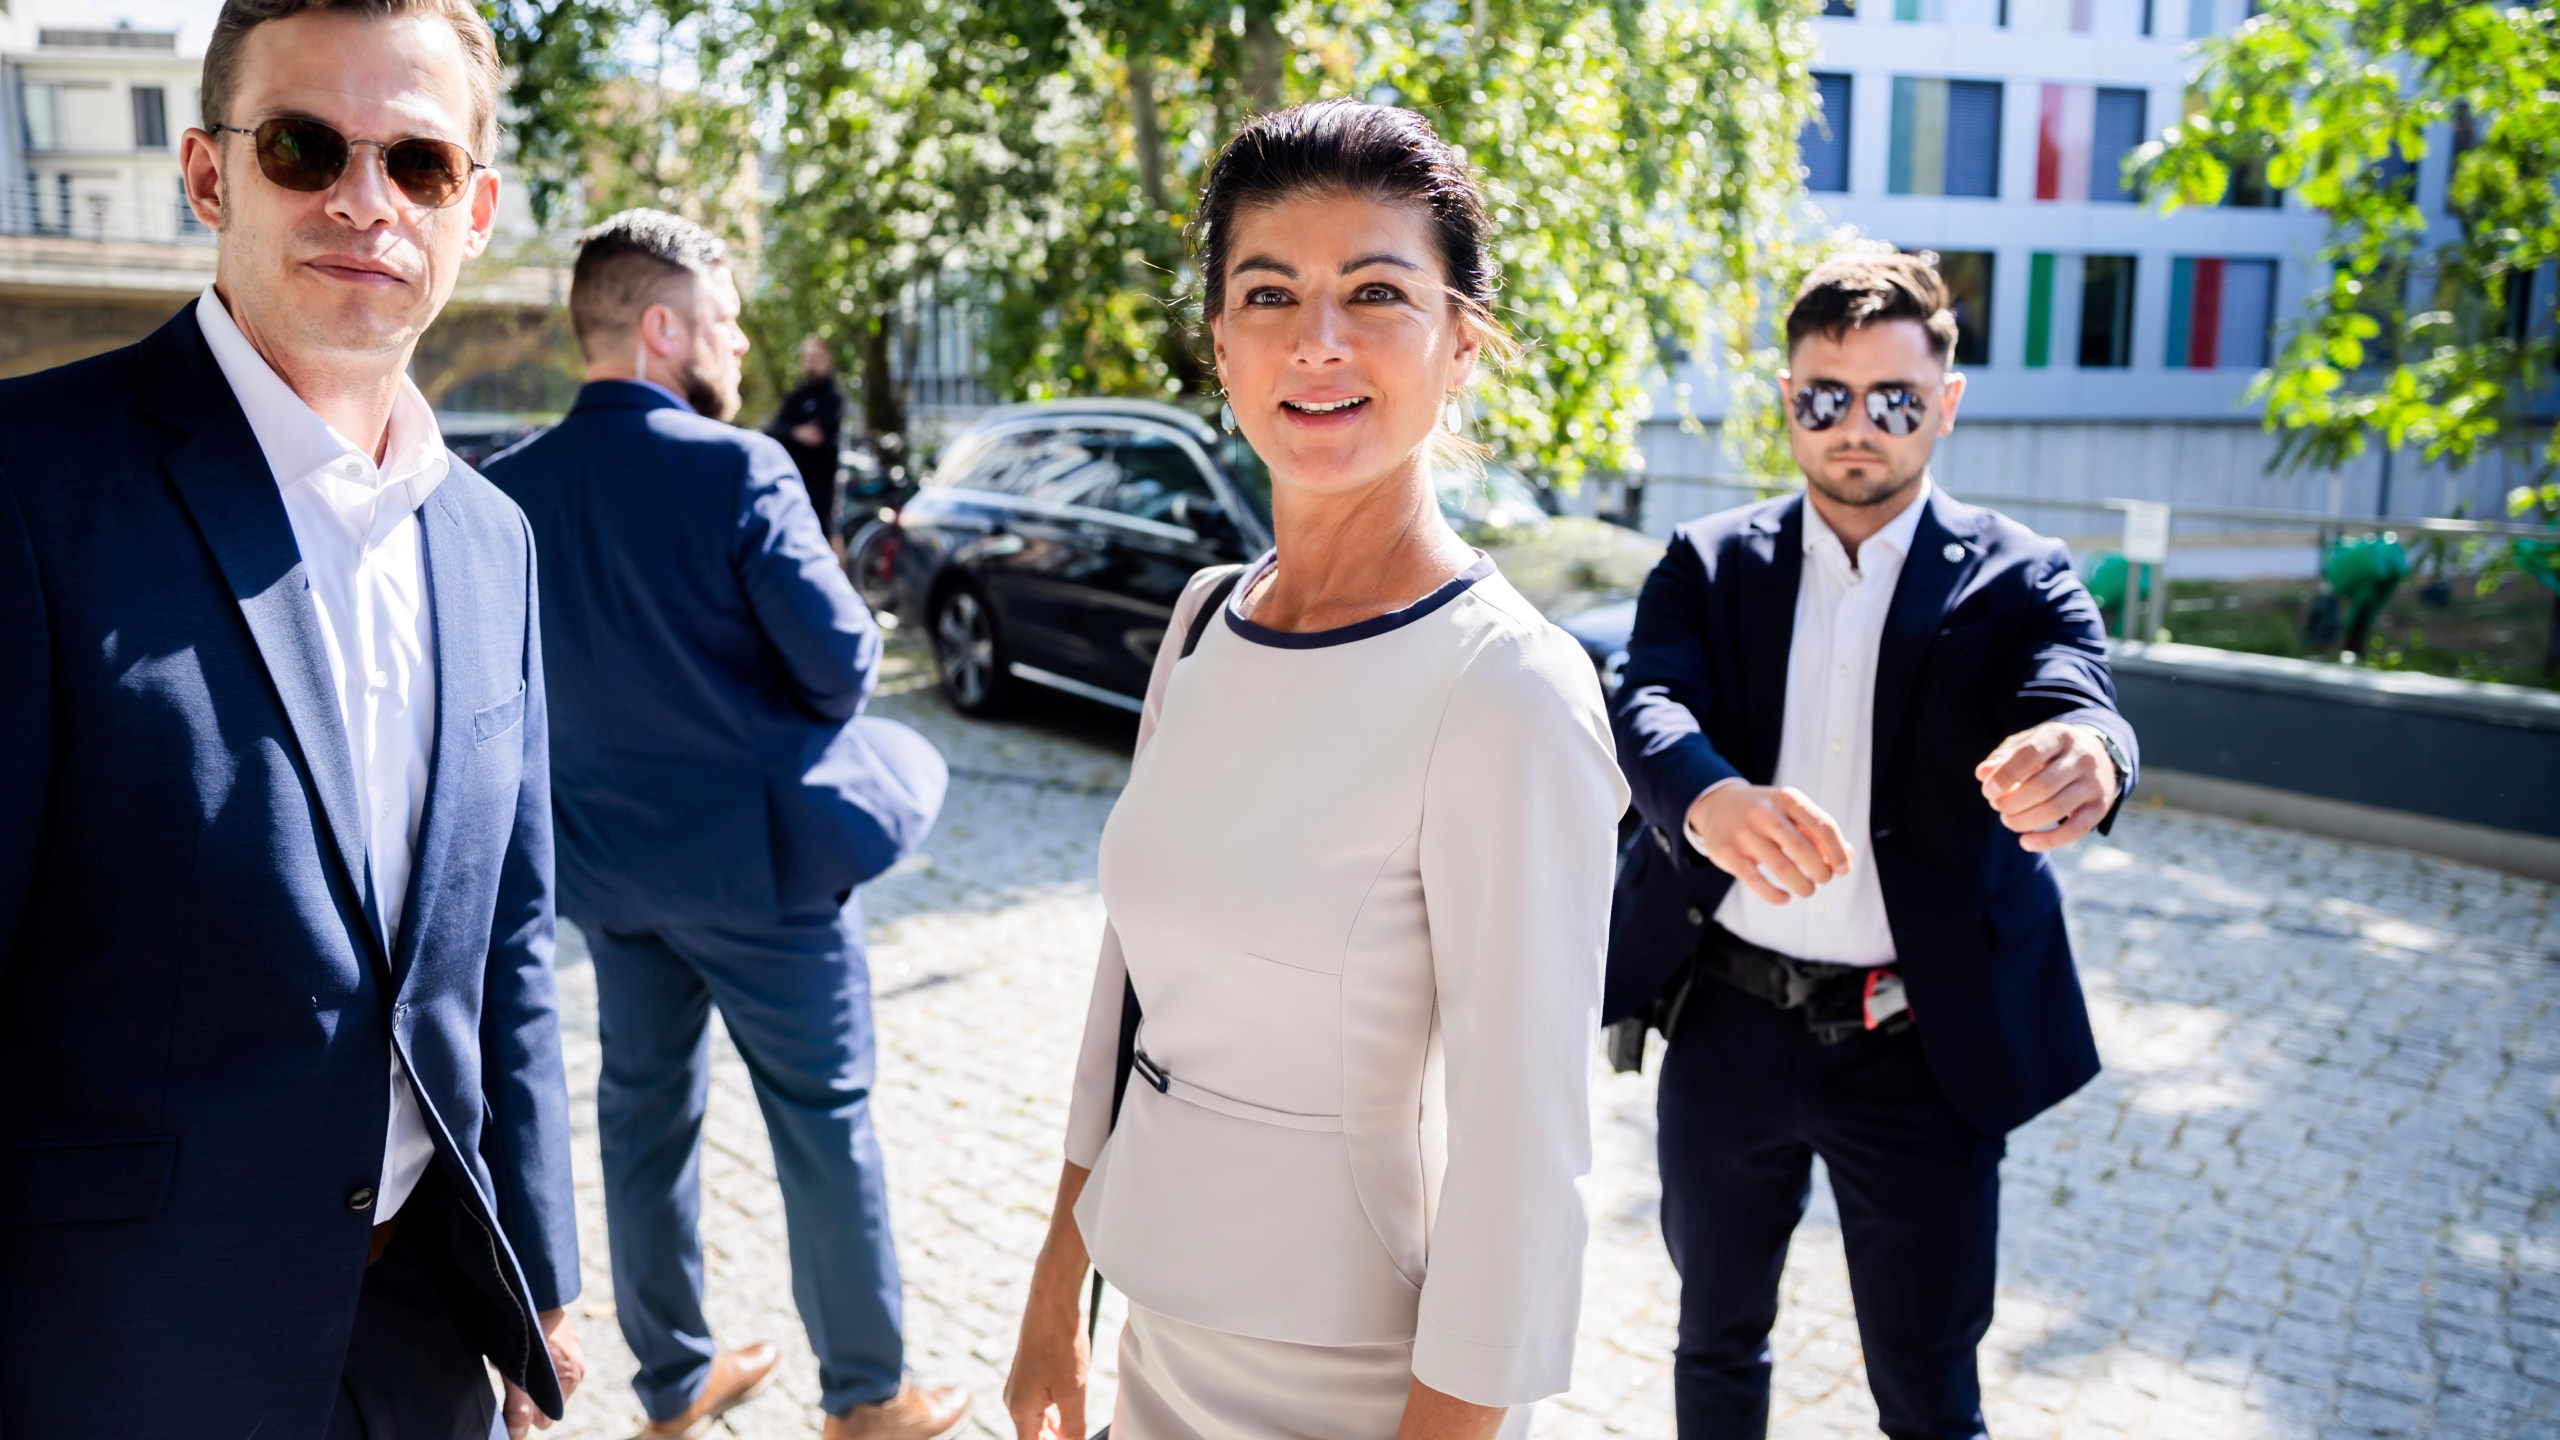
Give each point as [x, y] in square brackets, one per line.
[1888, 483]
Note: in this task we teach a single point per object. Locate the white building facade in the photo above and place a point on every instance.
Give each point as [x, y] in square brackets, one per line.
[94, 113]
[2108, 347]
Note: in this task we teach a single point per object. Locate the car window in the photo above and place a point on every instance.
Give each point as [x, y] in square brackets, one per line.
[992, 465]
[1068, 467]
[1153, 471]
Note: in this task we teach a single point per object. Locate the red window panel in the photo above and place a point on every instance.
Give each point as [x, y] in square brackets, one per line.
[2207, 323]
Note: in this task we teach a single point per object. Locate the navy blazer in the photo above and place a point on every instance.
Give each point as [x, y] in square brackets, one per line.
[709, 662]
[196, 1002]
[1975, 649]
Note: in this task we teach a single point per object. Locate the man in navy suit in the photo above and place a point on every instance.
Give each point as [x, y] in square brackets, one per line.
[720, 796]
[1856, 722]
[284, 1141]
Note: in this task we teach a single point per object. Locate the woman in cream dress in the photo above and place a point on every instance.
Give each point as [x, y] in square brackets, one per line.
[1359, 879]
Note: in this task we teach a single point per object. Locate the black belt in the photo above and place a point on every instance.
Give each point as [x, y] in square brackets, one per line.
[1838, 1001]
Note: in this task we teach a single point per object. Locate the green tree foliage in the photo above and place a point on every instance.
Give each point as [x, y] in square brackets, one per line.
[1044, 157]
[2421, 335]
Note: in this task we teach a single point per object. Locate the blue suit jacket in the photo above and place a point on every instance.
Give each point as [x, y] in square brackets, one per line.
[196, 1004]
[708, 662]
[1974, 650]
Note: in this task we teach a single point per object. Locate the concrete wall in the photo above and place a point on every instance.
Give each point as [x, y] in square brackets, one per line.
[2445, 766]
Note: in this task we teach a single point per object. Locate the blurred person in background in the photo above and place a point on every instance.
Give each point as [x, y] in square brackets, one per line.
[1857, 722]
[810, 424]
[1358, 880]
[720, 795]
[284, 1132]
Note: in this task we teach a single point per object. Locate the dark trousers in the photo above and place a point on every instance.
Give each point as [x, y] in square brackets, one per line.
[796, 997]
[409, 1374]
[1748, 1098]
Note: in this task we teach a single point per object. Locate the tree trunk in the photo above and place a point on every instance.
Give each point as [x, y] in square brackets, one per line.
[884, 409]
[1262, 60]
[1148, 138]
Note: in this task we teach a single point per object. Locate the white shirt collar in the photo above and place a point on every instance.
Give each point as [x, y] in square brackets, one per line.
[1895, 536]
[301, 447]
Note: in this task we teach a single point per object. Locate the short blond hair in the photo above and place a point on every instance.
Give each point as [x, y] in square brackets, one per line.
[479, 53]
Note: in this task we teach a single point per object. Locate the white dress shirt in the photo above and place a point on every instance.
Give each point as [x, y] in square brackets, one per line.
[1827, 748]
[356, 526]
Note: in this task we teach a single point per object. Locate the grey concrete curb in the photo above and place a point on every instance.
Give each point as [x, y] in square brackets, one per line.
[2535, 856]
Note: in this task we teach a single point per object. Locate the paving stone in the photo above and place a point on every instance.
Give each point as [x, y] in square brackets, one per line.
[2311, 1195]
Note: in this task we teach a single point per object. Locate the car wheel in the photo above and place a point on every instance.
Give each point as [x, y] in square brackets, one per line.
[968, 653]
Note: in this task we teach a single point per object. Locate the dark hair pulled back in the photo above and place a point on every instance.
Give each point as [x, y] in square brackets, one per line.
[1351, 147]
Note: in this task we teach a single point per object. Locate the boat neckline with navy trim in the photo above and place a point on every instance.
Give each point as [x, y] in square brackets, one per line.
[1370, 628]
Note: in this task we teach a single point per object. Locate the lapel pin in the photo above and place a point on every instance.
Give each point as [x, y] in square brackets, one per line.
[1954, 552]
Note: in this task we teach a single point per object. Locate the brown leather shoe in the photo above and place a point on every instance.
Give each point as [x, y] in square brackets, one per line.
[911, 1414]
[736, 1376]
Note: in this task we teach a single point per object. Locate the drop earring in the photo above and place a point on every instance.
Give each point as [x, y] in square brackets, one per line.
[1227, 417]
[1452, 416]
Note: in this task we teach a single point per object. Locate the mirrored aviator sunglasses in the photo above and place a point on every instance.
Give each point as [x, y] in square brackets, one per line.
[307, 156]
[1896, 409]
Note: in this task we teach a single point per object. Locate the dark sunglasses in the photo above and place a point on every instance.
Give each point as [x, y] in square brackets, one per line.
[1896, 409]
[307, 156]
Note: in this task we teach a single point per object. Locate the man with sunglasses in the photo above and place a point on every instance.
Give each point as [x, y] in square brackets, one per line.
[284, 1142]
[1856, 722]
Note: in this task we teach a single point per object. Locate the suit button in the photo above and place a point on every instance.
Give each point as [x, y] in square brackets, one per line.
[361, 1200]
[1697, 916]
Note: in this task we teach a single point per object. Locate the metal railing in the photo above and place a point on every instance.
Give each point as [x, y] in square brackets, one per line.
[99, 217]
[2149, 593]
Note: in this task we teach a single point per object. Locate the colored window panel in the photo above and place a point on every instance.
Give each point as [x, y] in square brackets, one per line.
[2106, 312]
[2200, 18]
[2248, 313]
[1920, 12]
[2039, 310]
[1946, 138]
[2182, 307]
[2064, 117]
[1840, 9]
[1973, 138]
[1825, 142]
[2116, 120]
[2204, 319]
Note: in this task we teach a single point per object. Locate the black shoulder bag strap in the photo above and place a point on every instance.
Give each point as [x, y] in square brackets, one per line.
[1130, 1014]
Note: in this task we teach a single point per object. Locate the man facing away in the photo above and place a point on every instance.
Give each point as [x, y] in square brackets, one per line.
[718, 800]
[1856, 721]
[284, 1144]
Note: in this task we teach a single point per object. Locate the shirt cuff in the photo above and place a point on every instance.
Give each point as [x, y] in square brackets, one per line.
[1485, 1374]
[1691, 831]
[2107, 743]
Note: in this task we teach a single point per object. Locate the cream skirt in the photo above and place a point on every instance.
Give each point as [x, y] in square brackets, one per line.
[1180, 1382]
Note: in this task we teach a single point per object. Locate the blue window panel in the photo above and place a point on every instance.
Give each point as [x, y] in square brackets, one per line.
[2117, 131]
[1825, 143]
[1973, 138]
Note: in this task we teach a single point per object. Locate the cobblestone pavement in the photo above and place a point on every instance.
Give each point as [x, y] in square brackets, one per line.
[2312, 1195]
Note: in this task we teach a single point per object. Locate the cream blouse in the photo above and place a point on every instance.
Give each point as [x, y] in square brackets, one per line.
[1361, 879]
